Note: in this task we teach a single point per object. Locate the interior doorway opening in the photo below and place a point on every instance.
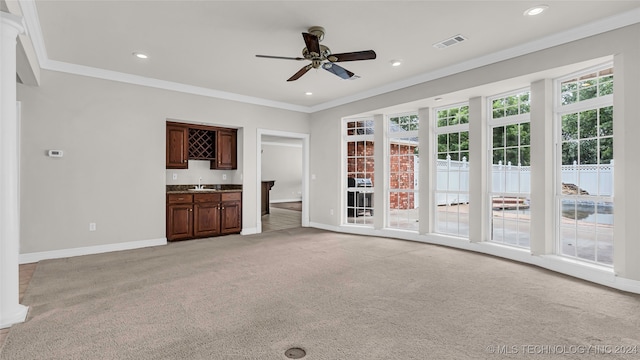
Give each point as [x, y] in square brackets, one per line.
[282, 170]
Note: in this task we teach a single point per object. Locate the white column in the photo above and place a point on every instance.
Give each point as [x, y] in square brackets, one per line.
[380, 152]
[427, 169]
[542, 168]
[478, 199]
[11, 311]
[626, 128]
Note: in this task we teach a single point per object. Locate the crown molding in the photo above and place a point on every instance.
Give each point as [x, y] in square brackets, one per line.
[15, 21]
[75, 69]
[32, 23]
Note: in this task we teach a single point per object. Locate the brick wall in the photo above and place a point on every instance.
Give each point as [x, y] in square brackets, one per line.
[360, 164]
[401, 170]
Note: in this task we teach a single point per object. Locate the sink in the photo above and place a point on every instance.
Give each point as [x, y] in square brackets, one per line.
[202, 189]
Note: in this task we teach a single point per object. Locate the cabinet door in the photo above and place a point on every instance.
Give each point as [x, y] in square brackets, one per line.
[179, 221]
[231, 215]
[177, 146]
[206, 219]
[226, 150]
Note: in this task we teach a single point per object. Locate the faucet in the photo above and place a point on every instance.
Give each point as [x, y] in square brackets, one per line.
[199, 187]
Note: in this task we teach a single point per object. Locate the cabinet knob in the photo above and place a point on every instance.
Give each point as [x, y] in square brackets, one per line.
[190, 209]
[223, 208]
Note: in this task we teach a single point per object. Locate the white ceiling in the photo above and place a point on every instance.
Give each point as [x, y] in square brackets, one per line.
[212, 44]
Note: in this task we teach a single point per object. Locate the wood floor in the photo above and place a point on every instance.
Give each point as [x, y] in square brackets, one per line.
[283, 216]
[26, 272]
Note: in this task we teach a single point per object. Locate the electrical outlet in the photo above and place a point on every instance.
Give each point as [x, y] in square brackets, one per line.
[175, 176]
[92, 226]
[224, 176]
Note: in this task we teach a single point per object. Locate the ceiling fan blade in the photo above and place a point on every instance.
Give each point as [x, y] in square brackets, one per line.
[279, 57]
[312, 42]
[353, 56]
[338, 70]
[300, 72]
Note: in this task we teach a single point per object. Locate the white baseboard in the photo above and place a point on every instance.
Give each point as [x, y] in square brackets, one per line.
[581, 270]
[89, 250]
[19, 315]
[249, 231]
[284, 200]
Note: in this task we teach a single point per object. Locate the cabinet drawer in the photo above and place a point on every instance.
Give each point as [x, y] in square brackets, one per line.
[179, 198]
[231, 196]
[201, 198]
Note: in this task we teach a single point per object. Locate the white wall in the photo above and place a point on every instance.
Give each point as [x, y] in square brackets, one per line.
[282, 162]
[622, 44]
[113, 170]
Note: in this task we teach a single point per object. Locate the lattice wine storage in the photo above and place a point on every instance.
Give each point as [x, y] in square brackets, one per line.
[201, 144]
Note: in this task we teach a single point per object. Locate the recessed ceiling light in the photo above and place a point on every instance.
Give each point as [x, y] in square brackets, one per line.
[140, 55]
[396, 62]
[308, 93]
[536, 10]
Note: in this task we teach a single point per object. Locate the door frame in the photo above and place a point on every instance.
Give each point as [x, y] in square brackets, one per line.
[305, 172]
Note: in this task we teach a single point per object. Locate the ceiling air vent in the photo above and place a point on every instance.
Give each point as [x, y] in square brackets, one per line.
[450, 41]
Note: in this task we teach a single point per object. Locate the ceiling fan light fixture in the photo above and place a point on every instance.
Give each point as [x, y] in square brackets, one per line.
[536, 10]
[140, 55]
[321, 57]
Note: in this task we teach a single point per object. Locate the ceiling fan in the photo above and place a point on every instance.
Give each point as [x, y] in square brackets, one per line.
[321, 56]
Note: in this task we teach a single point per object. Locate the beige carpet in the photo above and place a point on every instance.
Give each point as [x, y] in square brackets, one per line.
[337, 296]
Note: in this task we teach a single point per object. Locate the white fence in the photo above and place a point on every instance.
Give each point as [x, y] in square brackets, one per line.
[594, 179]
[453, 179]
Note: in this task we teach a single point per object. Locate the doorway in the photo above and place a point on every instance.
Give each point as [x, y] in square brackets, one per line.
[282, 172]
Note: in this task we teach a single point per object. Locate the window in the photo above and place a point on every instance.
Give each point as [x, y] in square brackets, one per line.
[510, 170]
[403, 172]
[452, 175]
[585, 195]
[360, 178]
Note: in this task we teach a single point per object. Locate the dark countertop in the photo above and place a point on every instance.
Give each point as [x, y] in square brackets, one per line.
[201, 191]
[208, 188]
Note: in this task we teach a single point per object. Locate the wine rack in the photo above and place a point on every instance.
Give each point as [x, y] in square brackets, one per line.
[202, 144]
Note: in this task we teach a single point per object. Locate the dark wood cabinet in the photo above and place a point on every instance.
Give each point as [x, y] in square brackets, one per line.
[231, 213]
[179, 216]
[226, 150]
[201, 142]
[206, 215]
[177, 146]
[192, 216]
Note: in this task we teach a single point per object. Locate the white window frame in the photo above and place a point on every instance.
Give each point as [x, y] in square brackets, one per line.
[368, 221]
[491, 124]
[387, 158]
[457, 128]
[559, 111]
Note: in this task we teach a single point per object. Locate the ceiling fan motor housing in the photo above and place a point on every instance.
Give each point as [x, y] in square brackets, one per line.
[324, 53]
[318, 31]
